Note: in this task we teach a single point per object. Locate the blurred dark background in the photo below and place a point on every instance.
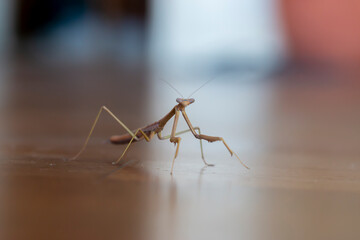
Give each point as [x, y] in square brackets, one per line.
[36, 17]
[80, 30]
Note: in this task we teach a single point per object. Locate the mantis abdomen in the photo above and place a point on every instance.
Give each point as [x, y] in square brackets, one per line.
[122, 139]
[126, 138]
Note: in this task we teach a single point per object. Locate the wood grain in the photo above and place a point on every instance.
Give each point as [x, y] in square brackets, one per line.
[299, 133]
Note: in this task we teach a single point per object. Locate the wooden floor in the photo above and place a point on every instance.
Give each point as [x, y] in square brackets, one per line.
[298, 132]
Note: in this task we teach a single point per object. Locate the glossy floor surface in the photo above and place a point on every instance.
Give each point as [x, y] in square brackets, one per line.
[298, 132]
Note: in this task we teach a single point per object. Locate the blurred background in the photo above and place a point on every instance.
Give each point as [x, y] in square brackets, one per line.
[285, 96]
[265, 34]
[191, 35]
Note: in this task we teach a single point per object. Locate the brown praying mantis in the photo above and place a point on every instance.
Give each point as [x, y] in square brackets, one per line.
[149, 131]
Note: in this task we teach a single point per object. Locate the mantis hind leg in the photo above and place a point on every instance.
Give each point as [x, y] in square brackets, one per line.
[132, 139]
[93, 126]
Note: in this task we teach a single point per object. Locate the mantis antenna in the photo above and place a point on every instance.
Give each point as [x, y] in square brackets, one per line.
[171, 87]
[201, 86]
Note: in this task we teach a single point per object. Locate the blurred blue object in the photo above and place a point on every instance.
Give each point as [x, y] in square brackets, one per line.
[223, 35]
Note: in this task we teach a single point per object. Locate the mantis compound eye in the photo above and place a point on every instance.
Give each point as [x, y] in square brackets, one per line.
[179, 100]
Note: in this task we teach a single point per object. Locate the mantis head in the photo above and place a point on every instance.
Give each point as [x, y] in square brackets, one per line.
[185, 102]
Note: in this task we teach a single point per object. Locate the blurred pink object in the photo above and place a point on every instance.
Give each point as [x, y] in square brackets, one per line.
[323, 31]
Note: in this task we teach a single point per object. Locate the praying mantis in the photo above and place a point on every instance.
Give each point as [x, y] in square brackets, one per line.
[149, 131]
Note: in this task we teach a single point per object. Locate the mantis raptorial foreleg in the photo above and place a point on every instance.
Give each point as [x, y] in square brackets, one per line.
[132, 139]
[94, 124]
[185, 131]
[175, 140]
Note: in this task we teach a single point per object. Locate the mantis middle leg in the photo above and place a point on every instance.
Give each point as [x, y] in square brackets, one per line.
[185, 131]
[210, 138]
